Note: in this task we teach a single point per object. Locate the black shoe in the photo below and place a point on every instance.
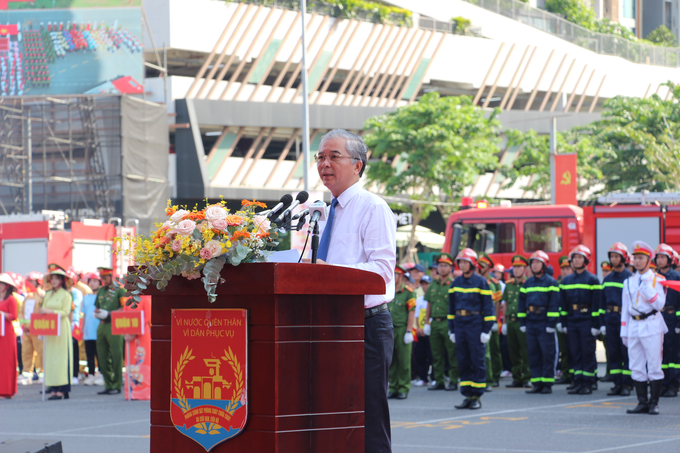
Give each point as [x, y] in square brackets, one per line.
[625, 391]
[475, 404]
[643, 401]
[670, 393]
[105, 392]
[496, 384]
[607, 378]
[654, 393]
[465, 404]
[515, 385]
[563, 380]
[546, 390]
[437, 386]
[488, 389]
[574, 390]
[66, 395]
[593, 386]
[585, 390]
[616, 390]
[55, 397]
[450, 386]
[401, 396]
[573, 386]
[527, 385]
[535, 389]
[391, 395]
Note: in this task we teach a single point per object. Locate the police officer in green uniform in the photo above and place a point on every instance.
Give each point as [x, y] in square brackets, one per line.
[437, 326]
[493, 358]
[109, 347]
[402, 309]
[517, 340]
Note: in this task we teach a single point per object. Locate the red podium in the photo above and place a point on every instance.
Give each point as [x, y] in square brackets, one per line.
[305, 356]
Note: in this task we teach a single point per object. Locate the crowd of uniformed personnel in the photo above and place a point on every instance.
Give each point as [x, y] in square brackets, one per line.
[550, 325]
[88, 300]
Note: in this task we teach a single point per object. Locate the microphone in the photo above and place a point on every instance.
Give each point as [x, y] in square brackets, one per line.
[301, 198]
[300, 214]
[302, 221]
[285, 201]
[317, 210]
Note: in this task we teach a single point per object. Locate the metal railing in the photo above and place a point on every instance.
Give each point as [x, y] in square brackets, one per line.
[446, 27]
[601, 43]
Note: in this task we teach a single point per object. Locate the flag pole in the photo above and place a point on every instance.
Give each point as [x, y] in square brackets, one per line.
[305, 105]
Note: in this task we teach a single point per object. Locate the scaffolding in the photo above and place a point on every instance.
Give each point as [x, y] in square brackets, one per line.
[61, 153]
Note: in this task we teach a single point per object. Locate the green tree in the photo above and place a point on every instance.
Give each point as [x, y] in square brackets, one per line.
[663, 37]
[634, 145]
[430, 151]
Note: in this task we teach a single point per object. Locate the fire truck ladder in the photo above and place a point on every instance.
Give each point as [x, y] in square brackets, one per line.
[13, 154]
[94, 157]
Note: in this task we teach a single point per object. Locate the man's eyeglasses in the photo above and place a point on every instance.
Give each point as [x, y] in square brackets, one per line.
[334, 157]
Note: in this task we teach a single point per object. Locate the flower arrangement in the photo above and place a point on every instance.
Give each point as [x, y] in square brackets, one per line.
[191, 243]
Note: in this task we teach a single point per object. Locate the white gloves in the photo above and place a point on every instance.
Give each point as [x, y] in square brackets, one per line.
[523, 329]
[101, 314]
[408, 338]
[559, 327]
[624, 340]
[594, 331]
[564, 330]
[494, 327]
[603, 330]
[504, 329]
[452, 337]
[427, 329]
[550, 330]
[677, 330]
[485, 337]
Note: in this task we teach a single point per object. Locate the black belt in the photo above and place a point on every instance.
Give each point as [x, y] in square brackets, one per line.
[439, 319]
[644, 316]
[613, 309]
[535, 309]
[368, 312]
[670, 310]
[580, 308]
[467, 313]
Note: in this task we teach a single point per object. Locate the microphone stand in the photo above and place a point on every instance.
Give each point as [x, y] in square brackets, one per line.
[315, 242]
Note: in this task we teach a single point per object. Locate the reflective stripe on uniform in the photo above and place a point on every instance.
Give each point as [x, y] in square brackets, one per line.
[596, 313]
[521, 315]
[483, 292]
[450, 316]
[543, 379]
[580, 286]
[473, 384]
[612, 285]
[539, 289]
[553, 314]
[489, 318]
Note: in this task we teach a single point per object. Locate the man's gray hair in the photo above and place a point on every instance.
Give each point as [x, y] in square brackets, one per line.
[355, 145]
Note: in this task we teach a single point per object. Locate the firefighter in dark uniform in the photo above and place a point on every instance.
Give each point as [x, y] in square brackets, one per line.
[493, 359]
[538, 312]
[437, 327]
[581, 294]
[671, 340]
[517, 340]
[402, 309]
[565, 269]
[612, 293]
[471, 316]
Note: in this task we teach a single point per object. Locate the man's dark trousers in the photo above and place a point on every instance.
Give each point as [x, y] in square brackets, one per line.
[378, 348]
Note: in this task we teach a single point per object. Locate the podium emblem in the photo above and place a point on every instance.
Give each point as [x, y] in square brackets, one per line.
[209, 385]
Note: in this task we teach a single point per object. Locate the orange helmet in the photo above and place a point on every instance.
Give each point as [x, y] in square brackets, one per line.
[676, 258]
[467, 254]
[92, 276]
[72, 275]
[664, 249]
[580, 250]
[541, 256]
[499, 268]
[619, 248]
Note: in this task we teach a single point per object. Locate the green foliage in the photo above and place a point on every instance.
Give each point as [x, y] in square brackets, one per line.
[663, 37]
[635, 145]
[462, 25]
[578, 12]
[442, 144]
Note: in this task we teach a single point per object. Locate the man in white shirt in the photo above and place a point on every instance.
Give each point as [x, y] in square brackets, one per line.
[360, 232]
[643, 328]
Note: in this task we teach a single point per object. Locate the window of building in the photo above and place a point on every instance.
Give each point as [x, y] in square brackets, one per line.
[546, 236]
[629, 9]
[489, 237]
[667, 15]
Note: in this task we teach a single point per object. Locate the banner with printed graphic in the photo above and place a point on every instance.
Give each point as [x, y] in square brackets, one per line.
[566, 179]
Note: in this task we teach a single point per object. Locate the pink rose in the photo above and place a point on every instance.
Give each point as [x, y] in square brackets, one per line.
[220, 224]
[179, 215]
[262, 222]
[206, 254]
[214, 247]
[186, 227]
[176, 245]
[215, 213]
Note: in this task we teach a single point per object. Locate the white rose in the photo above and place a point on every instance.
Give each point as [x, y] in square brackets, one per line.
[215, 248]
[186, 227]
[215, 213]
[179, 215]
[262, 222]
[168, 224]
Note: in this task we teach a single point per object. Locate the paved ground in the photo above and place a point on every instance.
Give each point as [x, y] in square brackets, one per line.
[510, 421]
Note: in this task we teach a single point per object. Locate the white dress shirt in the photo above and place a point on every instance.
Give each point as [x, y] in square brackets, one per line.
[364, 237]
[643, 294]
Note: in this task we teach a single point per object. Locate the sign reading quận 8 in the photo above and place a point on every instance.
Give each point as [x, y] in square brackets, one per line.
[46, 325]
[127, 322]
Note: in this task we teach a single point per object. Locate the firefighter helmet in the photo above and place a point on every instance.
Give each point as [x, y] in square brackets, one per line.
[580, 250]
[621, 249]
[541, 256]
[664, 249]
[467, 254]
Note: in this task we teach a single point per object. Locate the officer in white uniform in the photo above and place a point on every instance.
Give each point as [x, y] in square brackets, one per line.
[643, 328]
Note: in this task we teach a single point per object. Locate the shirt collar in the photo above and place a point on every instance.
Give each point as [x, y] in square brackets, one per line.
[348, 194]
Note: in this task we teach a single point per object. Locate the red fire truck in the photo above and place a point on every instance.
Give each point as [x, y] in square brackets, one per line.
[505, 231]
